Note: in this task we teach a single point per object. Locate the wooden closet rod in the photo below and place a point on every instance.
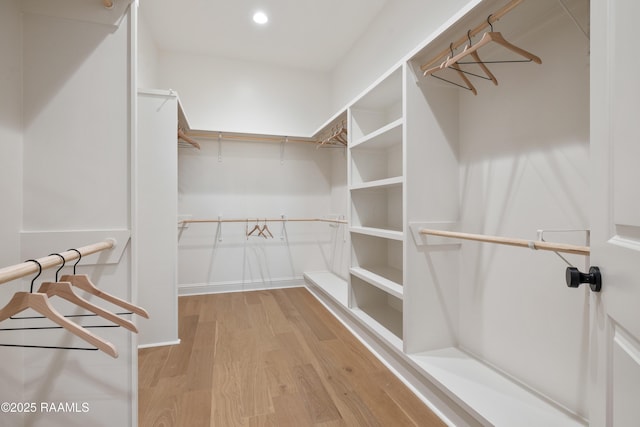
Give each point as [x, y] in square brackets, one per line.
[26, 268]
[108, 4]
[465, 39]
[241, 137]
[194, 221]
[532, 244]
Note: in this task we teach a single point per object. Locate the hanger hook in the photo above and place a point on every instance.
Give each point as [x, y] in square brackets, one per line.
[451, 48]
[469, 37]
[78, 261]
[489, 22]
[39, 272]
[64, 261]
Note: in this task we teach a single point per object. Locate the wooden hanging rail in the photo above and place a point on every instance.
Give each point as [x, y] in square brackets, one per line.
[248, 137]
[465, 38]
[532, 244]
[108, 4]
[23, 269]
[195, 221]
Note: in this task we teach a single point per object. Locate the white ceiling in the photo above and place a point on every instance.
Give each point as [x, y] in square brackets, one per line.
[310, 34]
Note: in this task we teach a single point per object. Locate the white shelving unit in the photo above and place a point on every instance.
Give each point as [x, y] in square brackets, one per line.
[376, 190]
[422, 150]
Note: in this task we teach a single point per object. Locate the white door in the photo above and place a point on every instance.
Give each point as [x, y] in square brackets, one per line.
[615, 215]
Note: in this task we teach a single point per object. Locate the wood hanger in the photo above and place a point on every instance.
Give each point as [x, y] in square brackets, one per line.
[64, 290]
[255, 228]
[464, 78]
[469, 86]
[496, 37]
[40, 303]
[265, 228]
[82, 281]
[484, 68]
[480, 62]
[184, 137]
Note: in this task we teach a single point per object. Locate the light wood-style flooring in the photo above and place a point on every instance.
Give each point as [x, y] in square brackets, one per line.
[269, 358]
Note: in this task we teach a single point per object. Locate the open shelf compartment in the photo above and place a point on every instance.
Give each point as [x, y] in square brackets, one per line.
[380, 107]
[368, 165]
[378, 255]
[380, 311]
[377, 208]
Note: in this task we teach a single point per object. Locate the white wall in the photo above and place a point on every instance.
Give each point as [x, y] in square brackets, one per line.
[524, 155]
[156, 180]
[147, 57]
[250, 97]
[251, 181]
[10, 184]
[76, 177]
[398, 28]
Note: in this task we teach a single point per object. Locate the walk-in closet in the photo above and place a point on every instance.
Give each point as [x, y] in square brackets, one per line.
[358, 213]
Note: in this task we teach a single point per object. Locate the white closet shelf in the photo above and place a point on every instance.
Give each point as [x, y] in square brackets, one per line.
[329, 283]
[380, 183]
[383, 138]
[384, 322]
[378, 232]
[490, 394]
[385, 278]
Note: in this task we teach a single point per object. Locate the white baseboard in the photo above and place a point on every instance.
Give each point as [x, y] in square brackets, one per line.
[159, 344]
[225, 287]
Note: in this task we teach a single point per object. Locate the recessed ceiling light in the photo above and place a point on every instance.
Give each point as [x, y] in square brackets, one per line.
[260, 18]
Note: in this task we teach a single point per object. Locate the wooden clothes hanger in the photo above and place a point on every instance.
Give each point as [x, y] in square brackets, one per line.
[184, 137]
[82, 281]
[479, 62]
[64, 291]
[255, 228]
[467, 83]
[496, 37]
[265, 228]
[39, 302]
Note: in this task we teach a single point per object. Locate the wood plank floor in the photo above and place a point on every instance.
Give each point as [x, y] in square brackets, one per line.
[269, 358]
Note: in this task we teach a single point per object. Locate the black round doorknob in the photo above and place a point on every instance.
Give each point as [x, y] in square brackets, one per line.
[575, 278]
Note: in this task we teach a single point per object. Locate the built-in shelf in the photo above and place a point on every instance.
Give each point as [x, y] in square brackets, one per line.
[379, 184]
[379, 208]
[387, 279]
[375, 165]
[335, 287]
[380, 310]
[384, 323]
[488, 393]
[376, 190]
[378, 108]
[378, 232]
[383, 138]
